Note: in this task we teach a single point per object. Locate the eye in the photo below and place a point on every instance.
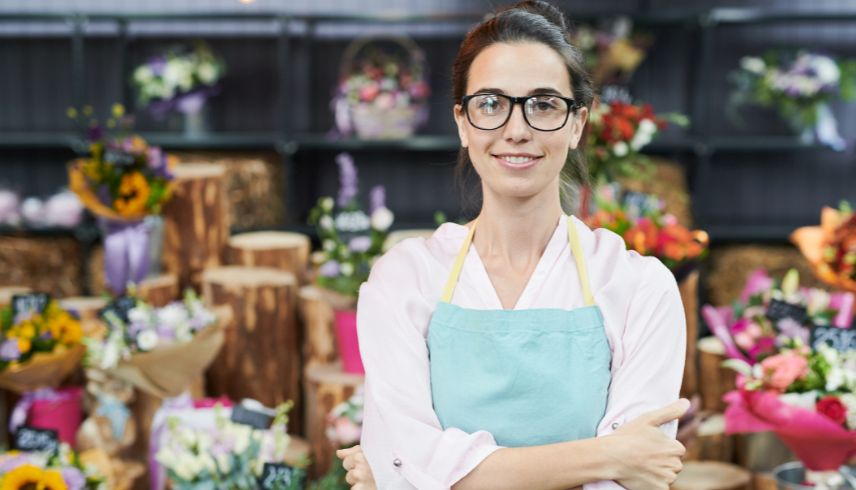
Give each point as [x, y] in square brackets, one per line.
[489, 104]
[546, 104]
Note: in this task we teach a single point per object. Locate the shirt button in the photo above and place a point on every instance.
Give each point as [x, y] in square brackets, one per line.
[615, 425]
[396, 462]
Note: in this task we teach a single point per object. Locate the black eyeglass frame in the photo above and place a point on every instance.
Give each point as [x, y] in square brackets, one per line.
[572, 107]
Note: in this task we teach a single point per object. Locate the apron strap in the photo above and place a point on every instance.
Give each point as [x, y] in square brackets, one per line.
[577, 250]
[458, 265]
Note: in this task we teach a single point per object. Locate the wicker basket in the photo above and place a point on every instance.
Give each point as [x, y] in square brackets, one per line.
[373, 120]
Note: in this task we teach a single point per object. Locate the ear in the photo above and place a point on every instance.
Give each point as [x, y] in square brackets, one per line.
[578, 123]
[461, 121]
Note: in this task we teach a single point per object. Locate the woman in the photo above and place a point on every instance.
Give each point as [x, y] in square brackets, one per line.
[523, 350]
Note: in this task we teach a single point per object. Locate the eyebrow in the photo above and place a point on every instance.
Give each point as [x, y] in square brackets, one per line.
[539, 90]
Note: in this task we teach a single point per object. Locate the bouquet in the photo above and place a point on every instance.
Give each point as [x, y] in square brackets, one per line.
[40, 343]
[617, 132]
[65, 470]
[770, 314]
[62, 209]
[807, 397]
[227, 455]
[182, 79]
[800, 86]
[647, 230]
[831, 247]
[381, 94]
[344, 427]
[122, 180]
[351, 239]
[159, 350]
[612, 53]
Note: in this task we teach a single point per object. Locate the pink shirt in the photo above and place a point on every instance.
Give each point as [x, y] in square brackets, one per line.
[402, 438]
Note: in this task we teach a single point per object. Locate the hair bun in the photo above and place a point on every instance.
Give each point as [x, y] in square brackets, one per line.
[546, 10]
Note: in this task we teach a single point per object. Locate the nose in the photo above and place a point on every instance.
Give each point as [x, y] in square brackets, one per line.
[516, 129]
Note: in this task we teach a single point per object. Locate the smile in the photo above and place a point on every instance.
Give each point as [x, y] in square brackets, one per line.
[517, 161]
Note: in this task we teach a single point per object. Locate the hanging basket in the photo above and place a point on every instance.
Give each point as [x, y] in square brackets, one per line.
[383, 88]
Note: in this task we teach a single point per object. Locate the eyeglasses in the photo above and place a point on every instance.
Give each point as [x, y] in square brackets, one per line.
[545, 112]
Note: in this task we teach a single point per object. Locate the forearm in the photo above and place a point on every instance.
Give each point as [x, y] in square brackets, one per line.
[553, 466]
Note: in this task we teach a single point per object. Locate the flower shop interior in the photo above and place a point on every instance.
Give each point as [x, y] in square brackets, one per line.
[191, 194]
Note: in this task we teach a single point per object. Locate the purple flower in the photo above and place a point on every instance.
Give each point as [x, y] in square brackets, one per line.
[22, 316]
[9, 350]
[377, 198]
[329, 269]
[74, 479]
[347, 179]
[360, 244]
[9, 464]
[135, 328]
[95, 133]
[792, 329]
[158, 65]
[166, 332]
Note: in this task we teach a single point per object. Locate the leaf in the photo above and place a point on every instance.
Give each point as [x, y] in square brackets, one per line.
[738, 365]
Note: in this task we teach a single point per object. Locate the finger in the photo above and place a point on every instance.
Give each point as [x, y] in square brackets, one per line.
[343, 453]
[351, 478]
[668, 413]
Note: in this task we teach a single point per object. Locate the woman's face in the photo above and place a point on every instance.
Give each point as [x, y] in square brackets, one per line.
[516, 160]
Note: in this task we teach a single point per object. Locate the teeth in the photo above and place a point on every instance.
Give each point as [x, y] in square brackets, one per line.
[517, 160]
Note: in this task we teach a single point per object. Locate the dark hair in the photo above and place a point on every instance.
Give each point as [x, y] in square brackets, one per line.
[528, 21]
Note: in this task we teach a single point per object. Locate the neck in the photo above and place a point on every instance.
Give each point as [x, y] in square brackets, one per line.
[517, 230]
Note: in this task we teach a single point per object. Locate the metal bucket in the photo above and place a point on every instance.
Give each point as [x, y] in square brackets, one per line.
[791, 476]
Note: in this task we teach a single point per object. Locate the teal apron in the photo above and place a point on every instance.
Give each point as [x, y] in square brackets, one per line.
[529, 377]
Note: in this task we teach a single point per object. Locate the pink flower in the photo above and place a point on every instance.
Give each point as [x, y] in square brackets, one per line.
[369, 92]
[744, 340]
[783, 369]
[832, 407]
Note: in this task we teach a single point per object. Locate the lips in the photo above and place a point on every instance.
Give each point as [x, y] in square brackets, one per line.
[517, 161]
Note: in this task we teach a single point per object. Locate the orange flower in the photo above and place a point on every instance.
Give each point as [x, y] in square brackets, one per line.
[133, 194]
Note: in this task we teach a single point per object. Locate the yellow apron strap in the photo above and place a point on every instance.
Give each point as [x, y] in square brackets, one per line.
[458, 265]
[577, 249]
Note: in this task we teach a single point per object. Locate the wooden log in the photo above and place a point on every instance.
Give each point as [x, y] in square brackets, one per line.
[764, 481]
[276, 249]
[46, 264]
[689, 296]
[326, 386]
[712, 475]
[196, 224]
[318, 328]
[715, 380]
[6, 293]
[260, 358]
[711, 442]
[159, 290]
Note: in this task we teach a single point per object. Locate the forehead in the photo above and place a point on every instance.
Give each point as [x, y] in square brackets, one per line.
[519, 67]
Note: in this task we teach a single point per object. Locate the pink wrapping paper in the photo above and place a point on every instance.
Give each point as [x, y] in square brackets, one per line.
[820, 443]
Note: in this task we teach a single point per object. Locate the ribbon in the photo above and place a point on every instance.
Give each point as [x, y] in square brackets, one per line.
[827, 129]
[126, 253]
[116, 412]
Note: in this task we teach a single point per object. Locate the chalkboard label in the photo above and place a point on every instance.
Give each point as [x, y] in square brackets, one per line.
[779, 310]
[29, 304]
[120, 307]
[279, 476]
[33, 439]
[254, 418]
[841, 339]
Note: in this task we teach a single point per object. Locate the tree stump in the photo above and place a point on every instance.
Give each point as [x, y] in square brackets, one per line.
[196, 224]
[326, 386]
[716, 380]
[6, 293]
[87, 308]
[712, 475]
[276, 249]
[689, 297]
[260, 358]
[159, 290]
[318, 327]
[711, 442]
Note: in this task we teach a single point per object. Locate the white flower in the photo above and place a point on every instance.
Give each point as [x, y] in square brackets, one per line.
[326, 204]
[147, 340]
[826, 69]
[836, 378]
[138, 314]
[620, 149]
[347, 269]
[752, 64]
[639, 140]
[849, 401]
[224, 463]
[173, 315]
[353, 221]
[143, 74]
[805, 400]
[111, 354]
[647, 126]
[207, 73]
[326, 222]
[382, 219]
[328, 245]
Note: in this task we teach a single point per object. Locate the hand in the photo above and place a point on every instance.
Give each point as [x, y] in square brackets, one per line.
[359, 474]
[647, 458]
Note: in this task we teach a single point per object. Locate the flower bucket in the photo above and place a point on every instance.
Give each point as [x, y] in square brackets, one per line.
[346, 341]
[132, 250]
[62, 412]
[372, 122]
[792, 476]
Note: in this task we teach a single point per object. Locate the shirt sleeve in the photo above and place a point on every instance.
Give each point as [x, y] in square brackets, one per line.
[649, 372]
[402, 438]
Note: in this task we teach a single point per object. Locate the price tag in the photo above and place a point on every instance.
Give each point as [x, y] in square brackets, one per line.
[120, 307]
[33, 439]
[280, 476]
[779, 310]
[29, 304]
[841, 339]
[255, 415]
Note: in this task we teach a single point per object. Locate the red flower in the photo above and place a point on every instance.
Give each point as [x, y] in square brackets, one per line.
[832, 407]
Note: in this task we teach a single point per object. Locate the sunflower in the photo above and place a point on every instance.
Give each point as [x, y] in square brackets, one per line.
[133, 194]
[30, 477]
